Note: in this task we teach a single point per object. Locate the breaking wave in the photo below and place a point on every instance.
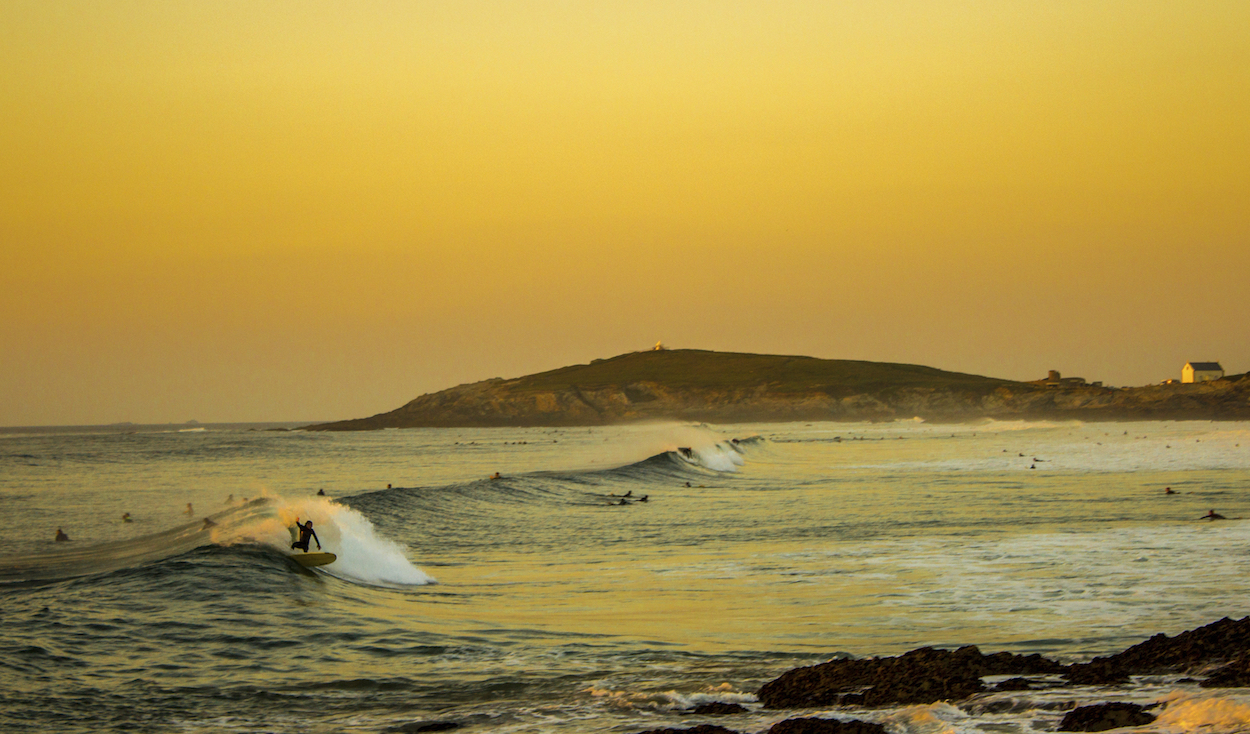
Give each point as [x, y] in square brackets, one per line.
[363, 556]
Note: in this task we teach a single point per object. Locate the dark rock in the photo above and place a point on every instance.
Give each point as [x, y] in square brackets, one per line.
[1104, 716]
[825, 726]
[719, 708]
[925, 675]
[1235, 674]
[1217, 642]
[424, 726]
[700, 729]
[1097, 672]
[1014, 684]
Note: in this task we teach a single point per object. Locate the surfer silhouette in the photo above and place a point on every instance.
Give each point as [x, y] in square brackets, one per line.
[189, 512]
[126, 517]
[60, 535]
[1212, 515]
[305, 530]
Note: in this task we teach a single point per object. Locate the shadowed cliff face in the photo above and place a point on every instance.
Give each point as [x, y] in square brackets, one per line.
[694, 385]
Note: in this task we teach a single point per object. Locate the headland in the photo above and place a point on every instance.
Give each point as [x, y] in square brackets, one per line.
[725, 387]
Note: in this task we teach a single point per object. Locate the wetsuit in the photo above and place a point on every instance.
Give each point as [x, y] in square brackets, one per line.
[305, 530]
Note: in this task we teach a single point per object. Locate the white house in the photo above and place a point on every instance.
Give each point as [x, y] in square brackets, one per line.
[1201, 371]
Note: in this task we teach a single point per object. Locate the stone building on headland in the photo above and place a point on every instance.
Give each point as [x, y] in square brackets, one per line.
[1201, 371]
[1054, 379]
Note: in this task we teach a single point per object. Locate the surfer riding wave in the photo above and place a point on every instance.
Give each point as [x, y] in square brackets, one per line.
[305, 530]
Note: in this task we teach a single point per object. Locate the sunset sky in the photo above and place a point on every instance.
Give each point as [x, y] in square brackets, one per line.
[238, 211]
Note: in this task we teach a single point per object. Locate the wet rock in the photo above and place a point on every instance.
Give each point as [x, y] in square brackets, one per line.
[1097, 672]
[1235, 674]
[825, 726]
[925, 675]
[1014, 684]
[719, 708]
[1218, 642]
[1104, 716]
[700, 729]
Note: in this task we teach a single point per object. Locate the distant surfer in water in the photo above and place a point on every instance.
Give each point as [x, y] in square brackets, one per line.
[190, 512]
[61, 536]
[496, 475]
[1212, 515]
[1169, 490]
[322, 492]
[126, 517]
[305, 531]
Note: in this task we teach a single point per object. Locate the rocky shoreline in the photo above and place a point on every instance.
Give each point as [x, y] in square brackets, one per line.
[1215, 656]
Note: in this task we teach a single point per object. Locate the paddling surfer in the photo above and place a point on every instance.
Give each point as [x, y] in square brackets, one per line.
[305, 530]
[1212, 515]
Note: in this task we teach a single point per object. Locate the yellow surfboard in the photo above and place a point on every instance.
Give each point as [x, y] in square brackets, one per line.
[308, 560]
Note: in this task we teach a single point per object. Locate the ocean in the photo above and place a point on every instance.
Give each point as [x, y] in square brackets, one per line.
[555, 599]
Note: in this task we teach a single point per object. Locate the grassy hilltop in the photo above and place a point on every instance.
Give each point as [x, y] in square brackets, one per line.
[701, 369]
[687, 384]
[723, 387]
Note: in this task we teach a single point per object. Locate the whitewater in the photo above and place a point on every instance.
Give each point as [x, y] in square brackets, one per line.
[553, 599]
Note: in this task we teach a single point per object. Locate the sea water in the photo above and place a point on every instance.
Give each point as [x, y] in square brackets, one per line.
[538, 602]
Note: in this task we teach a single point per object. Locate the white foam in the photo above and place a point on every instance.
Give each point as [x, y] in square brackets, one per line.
[631, 444]
[717, 456]
[1216, 713]
[724, 693]
[363, 556]
[671, 700]
[938, 718]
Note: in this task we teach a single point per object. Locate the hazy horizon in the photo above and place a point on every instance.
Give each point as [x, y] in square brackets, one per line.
[275, 421]
[303, 212]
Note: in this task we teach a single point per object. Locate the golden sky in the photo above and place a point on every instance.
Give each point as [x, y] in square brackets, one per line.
[234, 211]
